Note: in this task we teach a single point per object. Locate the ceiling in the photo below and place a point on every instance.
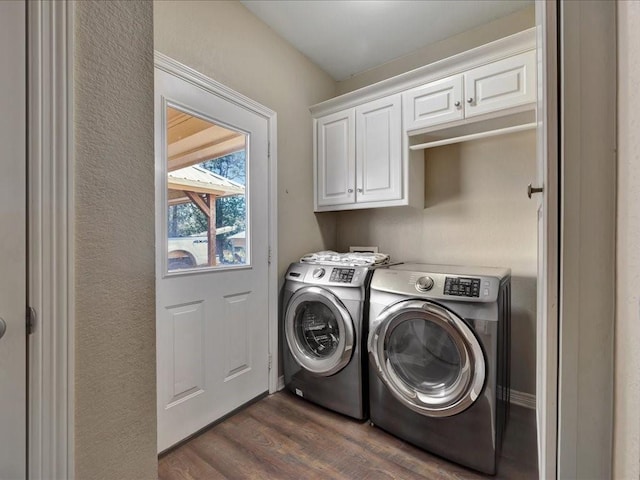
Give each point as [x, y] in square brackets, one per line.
[346, 37]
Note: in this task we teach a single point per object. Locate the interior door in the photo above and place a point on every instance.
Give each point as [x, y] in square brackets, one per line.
[212, 257]
[547, 286]
[13, 374]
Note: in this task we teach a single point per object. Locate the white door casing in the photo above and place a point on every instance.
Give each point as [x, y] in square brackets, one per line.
[548, 242]
[13, 240]
[216, 327]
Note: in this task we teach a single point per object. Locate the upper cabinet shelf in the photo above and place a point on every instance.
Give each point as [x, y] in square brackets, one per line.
[364, 141]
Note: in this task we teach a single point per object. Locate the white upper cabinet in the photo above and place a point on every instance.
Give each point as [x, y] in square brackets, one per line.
[359, 156]
[368, 143]
[501, 85]
[379, 150]
[497, 87]
[336, 159]
[434, 103]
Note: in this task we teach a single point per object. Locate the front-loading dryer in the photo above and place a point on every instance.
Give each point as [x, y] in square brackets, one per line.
[438, 349]
[323, 327]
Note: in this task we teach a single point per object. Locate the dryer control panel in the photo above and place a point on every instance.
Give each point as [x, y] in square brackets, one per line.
[462, 286]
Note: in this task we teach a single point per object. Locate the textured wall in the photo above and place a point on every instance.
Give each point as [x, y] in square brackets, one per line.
[476, 213]
[626, 448]
[499, 28]
[226, 42]
[115, 420]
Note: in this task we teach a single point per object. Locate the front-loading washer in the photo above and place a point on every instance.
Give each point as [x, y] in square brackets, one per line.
[323, 328]
[438, 348]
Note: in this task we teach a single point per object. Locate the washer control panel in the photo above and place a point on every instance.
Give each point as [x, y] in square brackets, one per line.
[462, 286]
[342, 275]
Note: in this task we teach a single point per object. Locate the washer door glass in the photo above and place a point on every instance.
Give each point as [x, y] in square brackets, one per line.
[428, 357]
[316, 329]
[319, 331]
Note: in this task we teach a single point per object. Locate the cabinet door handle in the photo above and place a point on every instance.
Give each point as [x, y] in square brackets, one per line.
[470, 100]
[350, 190]
[457, 104]
[359, 190]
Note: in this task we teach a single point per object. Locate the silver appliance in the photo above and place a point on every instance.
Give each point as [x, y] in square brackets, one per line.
[323, 331]
[438, 349]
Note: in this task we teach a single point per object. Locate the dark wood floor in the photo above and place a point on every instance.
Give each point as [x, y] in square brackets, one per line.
[285, 437]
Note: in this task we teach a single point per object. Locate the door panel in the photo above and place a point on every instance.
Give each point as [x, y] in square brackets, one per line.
[212, 330]
[336, 158]
[13, 241]
[379, 150]
[432, 104]
[499, 85]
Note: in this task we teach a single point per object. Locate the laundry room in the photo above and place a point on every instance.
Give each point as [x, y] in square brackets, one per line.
[309, 239]
[456, 197]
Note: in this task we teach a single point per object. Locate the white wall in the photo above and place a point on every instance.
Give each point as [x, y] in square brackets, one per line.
[476, 213]
[115, 388]
[225, 41]
[626, 446]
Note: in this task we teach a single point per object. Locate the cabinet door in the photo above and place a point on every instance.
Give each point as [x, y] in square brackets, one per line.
[379, 150]
[500, 85]
[434, 103]
[335, 180]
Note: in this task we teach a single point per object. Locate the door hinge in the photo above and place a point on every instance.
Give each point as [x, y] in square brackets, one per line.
[31, 320]
[269, 256]
[269, 150]
[270, 361]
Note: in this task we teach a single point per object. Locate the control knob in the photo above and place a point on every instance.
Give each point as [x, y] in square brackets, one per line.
[424, 284]
[318, 273]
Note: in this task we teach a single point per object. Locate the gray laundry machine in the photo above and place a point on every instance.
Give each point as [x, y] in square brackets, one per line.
[438, 348]
[324, 335]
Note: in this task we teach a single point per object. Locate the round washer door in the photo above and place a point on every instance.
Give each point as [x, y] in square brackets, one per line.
[319, 331]
[428, 357]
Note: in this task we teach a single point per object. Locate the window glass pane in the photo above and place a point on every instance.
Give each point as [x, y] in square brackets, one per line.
[207, 203]
[424, 356]
[317, 329]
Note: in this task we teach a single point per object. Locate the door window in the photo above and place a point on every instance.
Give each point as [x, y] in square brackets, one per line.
[206, 167]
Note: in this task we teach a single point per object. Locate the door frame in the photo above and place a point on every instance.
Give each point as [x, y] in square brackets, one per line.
[50, 145]
[173, 67]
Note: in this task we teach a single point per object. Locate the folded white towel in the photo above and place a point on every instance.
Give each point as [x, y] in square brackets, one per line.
[329, 257]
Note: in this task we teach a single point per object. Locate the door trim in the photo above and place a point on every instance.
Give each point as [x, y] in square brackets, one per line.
[173, 67]
[50, 239]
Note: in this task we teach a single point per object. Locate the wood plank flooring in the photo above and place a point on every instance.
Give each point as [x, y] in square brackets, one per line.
[285, 437]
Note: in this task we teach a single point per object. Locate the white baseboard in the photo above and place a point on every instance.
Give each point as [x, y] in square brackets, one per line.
[523, 399]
